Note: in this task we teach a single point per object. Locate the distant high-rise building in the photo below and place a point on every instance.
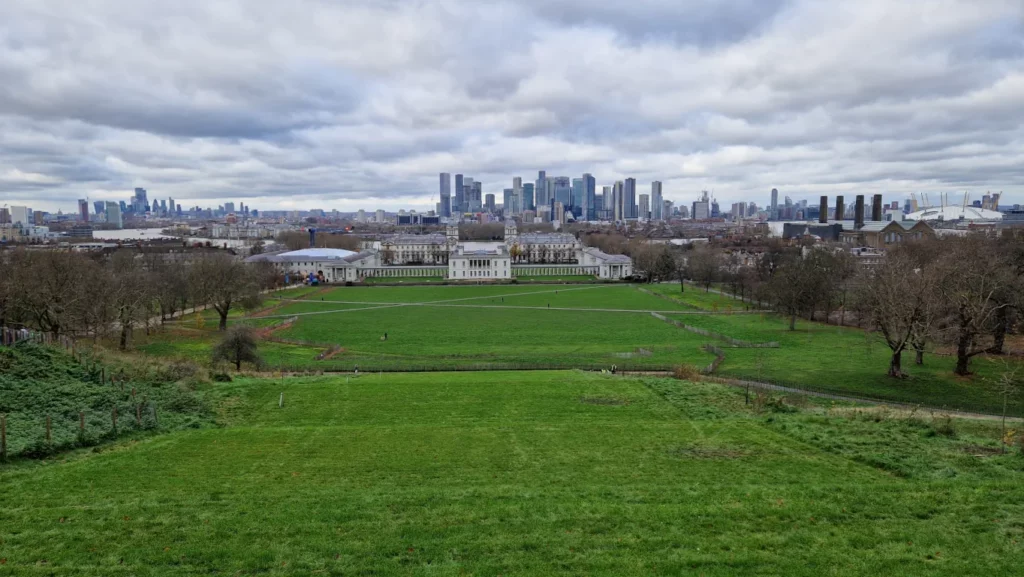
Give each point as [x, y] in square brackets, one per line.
[139, 202]
[563, 190]
[478, 196]
[629, 198]
[459, 198]
[657, 203]
[587, 208]
[618, 210]
[489, 202]
[773, 212]
[5, 215]
[114, 214]
[507, 202]
[702, 208]
[446, 194]
[645, 207]
[99, 207]
[37, 217]
[528, 197]
[19, 215]
[379, 216]
[170, 205]
[83, 210]
[229, 207]
[540, 191]
[559, 215]
[517, 195]
[739, 210]
[576, 201]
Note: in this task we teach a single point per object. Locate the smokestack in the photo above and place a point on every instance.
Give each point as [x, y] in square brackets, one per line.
[876, 208]
[858, 217]
[823, 215]
[312, 238]
[840, 208]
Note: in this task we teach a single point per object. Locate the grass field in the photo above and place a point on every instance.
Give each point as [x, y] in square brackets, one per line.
[592, 327]
[525, 473]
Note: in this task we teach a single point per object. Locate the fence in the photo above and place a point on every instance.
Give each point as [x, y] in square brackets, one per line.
[11, 336]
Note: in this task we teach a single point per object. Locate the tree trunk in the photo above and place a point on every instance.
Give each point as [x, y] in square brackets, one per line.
[999, 335]
[124, 337]
[223, 320]
[792, 322]
[238, 363]
[962, 356]
[895, 364]
[919, 357]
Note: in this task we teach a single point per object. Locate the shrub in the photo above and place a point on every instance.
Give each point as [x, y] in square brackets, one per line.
[686, 373]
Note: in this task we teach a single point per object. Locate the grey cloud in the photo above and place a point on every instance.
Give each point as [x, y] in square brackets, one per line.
[362, 103]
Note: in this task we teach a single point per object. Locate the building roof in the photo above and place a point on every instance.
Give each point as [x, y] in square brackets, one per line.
[608, 258]
[433, 238]
[878, 226]
[311, 254]
[546, 238]
[954, 212]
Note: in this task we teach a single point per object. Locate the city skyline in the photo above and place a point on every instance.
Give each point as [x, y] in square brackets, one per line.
[361, 104]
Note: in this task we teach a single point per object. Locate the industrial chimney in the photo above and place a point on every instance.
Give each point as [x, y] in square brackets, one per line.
[858, 217]
[840, 208]
[876, 208]
[823, 215]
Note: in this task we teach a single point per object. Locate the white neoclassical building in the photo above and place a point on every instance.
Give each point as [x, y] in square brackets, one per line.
[445, 256]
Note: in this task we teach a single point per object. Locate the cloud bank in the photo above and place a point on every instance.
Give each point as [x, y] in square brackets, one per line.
[360, 104]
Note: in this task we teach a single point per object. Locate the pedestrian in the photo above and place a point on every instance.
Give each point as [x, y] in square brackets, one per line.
[549, 305]
[385, 335]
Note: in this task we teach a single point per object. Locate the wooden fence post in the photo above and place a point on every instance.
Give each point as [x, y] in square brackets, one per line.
[49, 440]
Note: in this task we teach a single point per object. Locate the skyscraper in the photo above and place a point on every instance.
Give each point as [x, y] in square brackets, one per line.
[99, 206]
[139, 201]
[563, 190]
[478, 196]
[773, 212]
[540, 196]
[489, 203]
[617, 206]
[114, 214]
[458, 205]
[83, 210]
[507, 201]
[517, 195]
[446, 194]
[657, 203]
[576, 202]
[645, 207]
[528, 197]
[19, 215]
[589, 197]
[629, 198]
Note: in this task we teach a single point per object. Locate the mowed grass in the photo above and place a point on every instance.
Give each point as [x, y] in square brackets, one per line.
[539, 473]
[849, 361]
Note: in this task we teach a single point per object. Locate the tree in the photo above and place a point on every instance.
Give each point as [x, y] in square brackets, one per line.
[704, 265]
[257, 248]
[791, 289]
[238, 345]
[896, 296]
[220, 281]
[973, 276]
[130, 294]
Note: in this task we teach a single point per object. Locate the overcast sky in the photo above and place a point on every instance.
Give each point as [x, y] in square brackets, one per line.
[361, 103]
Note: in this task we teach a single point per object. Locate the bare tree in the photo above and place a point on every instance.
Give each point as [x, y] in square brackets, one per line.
[974, 275]
[130, 294]
[704, 265]
[220, 281]
[895, 296]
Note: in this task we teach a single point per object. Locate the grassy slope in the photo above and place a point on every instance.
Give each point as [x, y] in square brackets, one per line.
[517, 474]
[36, 382]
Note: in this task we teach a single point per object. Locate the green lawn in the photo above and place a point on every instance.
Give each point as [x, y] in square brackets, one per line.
[538, 473]
[593, 327]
